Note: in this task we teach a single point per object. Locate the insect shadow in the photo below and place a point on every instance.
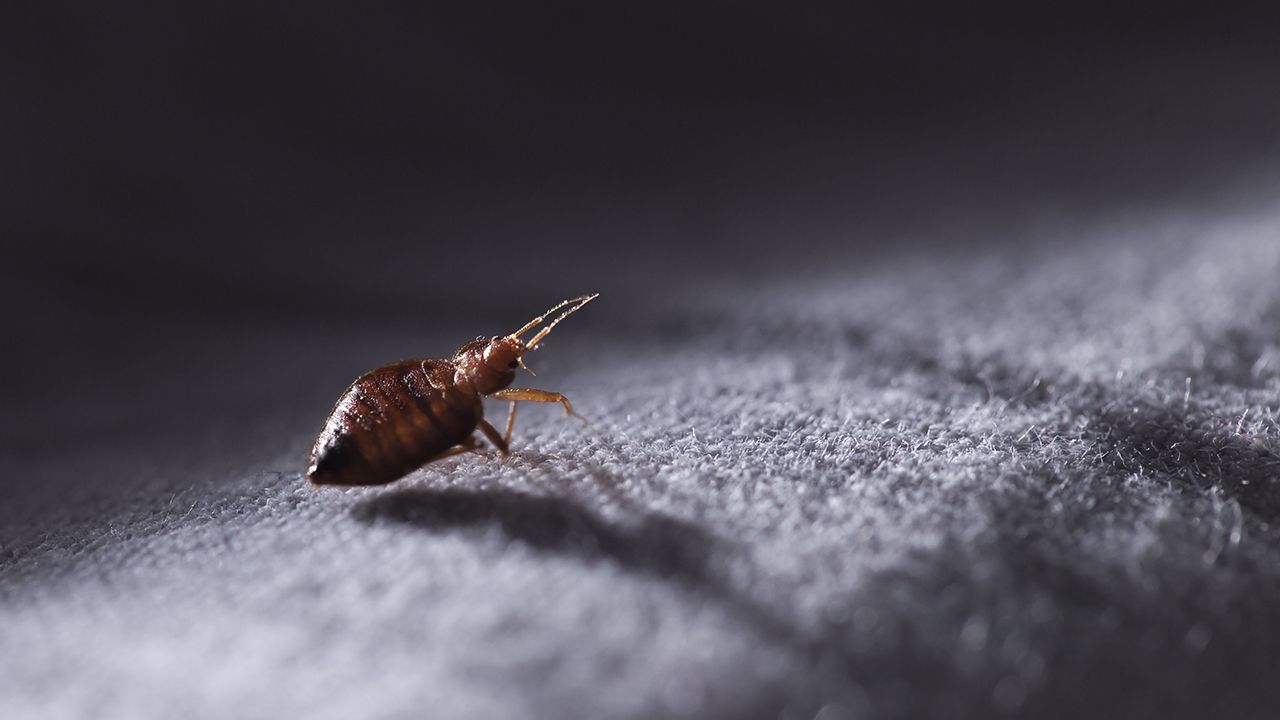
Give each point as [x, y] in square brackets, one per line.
[639, 541]
[644, 542]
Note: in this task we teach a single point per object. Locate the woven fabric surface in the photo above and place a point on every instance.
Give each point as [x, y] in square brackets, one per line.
[1036, 481]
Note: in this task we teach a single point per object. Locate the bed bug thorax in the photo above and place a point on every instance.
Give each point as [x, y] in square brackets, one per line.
[398, 417]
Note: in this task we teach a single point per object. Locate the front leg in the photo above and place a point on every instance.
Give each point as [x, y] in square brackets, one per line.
[531, 395]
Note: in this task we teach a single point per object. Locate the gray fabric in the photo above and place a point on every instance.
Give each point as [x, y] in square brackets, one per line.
[1039, 481]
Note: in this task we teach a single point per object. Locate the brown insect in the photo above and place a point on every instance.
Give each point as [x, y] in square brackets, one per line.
[395, 419]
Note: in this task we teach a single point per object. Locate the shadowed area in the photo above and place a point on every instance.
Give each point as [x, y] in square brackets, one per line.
[652, 544]
[1197, 448]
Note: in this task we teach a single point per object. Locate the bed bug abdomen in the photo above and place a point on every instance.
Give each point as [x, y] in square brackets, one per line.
[390, 422]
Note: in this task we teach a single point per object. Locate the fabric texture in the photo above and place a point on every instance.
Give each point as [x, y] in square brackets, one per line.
[1033, 480]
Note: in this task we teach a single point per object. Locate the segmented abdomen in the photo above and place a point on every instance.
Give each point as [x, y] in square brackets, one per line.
[392, 421]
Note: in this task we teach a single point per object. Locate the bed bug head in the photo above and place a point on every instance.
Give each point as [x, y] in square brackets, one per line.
[489, 364]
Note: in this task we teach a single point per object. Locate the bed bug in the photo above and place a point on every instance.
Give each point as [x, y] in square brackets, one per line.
[399, 417]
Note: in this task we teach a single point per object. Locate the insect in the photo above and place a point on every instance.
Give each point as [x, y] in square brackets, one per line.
[399, 417]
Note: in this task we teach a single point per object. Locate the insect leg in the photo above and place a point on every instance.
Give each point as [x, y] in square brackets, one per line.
[492, 433]
[511, 422]
[532, 395]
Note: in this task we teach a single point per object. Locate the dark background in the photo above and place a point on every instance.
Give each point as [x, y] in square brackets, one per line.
[177, 176]
[340, 158]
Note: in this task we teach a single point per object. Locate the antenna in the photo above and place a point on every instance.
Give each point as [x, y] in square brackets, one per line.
[577, 304]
